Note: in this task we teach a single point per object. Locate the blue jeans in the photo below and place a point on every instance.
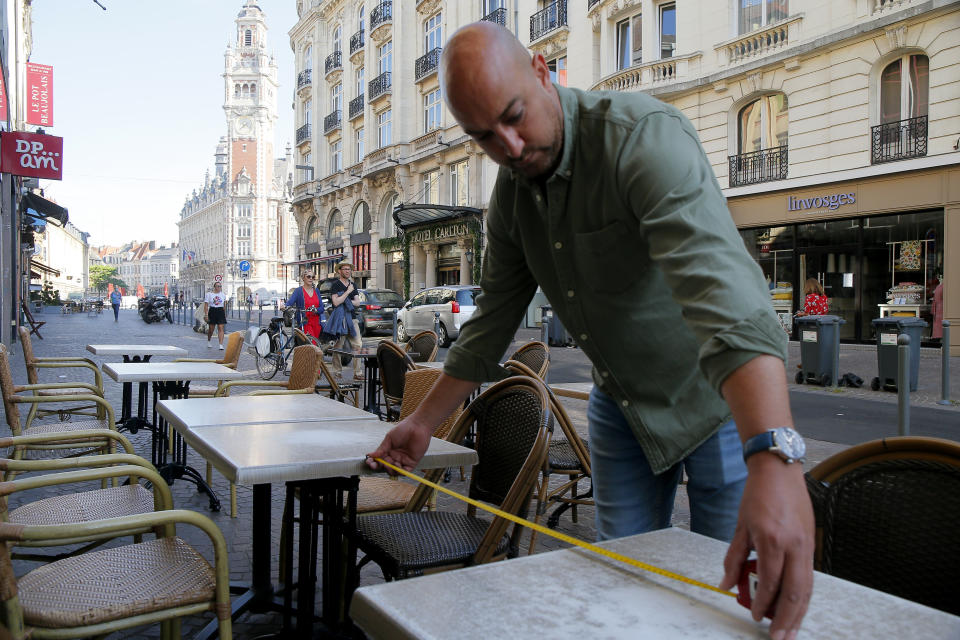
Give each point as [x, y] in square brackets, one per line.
[631, 499]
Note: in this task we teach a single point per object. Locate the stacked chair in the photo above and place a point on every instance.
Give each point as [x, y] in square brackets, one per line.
[535, 355]
[425, 345]
[230, 359]
[394, 363]
[328, 383]
[886, 516]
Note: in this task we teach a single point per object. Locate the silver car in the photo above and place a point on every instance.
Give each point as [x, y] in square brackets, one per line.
[456, 303]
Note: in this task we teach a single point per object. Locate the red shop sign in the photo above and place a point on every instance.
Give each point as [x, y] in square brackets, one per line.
[34, 155]
[39, 94]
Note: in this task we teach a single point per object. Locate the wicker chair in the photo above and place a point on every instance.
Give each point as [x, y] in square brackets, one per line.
[81, 430]
[100, 592]
[231, 358]
[513, 423]
[425, 345]
[569, 456]
[34, 363]
[306, 361]
[536, 356]
[394, 363]
[84, 506]
[887, 514]
[330, 384]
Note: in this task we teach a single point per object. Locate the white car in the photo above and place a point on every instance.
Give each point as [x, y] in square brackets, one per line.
[456, 303]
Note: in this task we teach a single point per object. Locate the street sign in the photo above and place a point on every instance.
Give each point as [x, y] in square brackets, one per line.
[217, 278]
[244, 266]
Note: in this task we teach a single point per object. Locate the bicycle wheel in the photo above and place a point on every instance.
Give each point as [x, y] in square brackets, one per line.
[268, 365]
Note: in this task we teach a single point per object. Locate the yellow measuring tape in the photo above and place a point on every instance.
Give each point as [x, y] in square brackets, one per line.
[613, 555]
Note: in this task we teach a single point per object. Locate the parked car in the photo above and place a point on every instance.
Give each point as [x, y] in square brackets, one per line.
[456, 303]
[374, 306]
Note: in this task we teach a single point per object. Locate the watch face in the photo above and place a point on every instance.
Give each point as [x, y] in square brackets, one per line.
[790, 443]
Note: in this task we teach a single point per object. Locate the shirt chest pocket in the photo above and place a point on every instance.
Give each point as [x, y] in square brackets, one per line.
[610, 259]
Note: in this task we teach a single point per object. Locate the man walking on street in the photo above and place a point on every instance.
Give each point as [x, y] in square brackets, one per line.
[343, 293]
[115, 300]
[608, 203]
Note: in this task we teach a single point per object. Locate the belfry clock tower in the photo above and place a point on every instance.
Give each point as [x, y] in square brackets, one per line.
[250, 102]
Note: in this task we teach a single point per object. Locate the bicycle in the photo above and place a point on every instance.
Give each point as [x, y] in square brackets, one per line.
[273, 344]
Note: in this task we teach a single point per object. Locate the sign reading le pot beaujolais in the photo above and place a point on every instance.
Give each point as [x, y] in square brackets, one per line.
[39, 94]
[32, 155]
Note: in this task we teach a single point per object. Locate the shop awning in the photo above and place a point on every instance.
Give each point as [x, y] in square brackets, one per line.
[411, 215]
[42, 268]
[329, 258]
[43, 208]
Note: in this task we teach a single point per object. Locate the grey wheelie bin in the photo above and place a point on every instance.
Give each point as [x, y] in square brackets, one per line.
[888, 329]
[556, 335]
[819, 336]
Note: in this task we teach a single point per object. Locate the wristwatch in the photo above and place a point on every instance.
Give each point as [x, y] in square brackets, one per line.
[783, 441]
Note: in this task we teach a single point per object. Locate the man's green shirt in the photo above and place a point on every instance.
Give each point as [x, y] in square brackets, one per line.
[631, 241]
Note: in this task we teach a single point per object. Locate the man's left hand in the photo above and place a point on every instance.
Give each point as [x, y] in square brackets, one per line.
[776, 519]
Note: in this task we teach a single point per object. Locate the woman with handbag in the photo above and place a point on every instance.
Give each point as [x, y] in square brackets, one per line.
[305, 298]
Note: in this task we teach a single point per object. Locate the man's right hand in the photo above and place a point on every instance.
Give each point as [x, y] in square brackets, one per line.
[403, 446]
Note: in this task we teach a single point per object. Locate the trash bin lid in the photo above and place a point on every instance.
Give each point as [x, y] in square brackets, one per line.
[899, 322]
[824, 319]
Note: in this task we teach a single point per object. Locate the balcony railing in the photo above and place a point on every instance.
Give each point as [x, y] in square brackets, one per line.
[590, 3]
[303, 133]
[334, 62]
[332, 121]
[356, 107]
[427, 64]
[497, 15]
[382, 14]
[356, 42]
[547, 19]
[304, 78]
[758, 166]
[379, 86]
[898, 140]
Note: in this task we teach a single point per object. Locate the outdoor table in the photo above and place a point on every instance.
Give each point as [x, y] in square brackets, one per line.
[580, 594]
[371, 377]
[430, 365]
[239, 410]
[134, 353]
[324, 457]
[578, 390]
[171, 380]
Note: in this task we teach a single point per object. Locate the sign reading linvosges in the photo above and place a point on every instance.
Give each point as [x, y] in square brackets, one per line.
[33, 155]
[829, 202]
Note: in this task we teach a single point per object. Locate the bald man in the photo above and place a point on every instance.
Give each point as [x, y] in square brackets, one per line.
[608, 202]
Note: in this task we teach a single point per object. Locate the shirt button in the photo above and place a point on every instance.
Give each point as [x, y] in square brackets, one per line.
[605, 374]
[539, 198]
[625, 403]
[558, 245]
[570, 293]
[583, 336]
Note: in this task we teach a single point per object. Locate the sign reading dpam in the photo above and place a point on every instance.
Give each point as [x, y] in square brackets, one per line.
[826, 202]
[446, 231]
[33, 155]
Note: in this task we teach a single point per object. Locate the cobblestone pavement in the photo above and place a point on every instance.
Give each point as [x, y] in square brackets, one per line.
[67, 335]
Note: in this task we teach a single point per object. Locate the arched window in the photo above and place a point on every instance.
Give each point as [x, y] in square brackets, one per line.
[334, 225]
[389, 227]
[337, 37]
[245, 91]
[247, 38]
[361, 218]
[253, 90]
[762, 124]
[314, 231]
[905, 88]
[360, 18]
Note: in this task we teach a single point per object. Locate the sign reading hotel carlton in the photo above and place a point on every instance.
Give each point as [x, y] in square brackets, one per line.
[33, 155]
[456, 230]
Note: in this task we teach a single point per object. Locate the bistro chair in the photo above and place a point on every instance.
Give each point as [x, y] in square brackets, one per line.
[394, 363]
[330, 384]
[100, 592]
[424, 345]
[886, 516]
[513, 423]
[231, 358]
[536, 356]
[65, 362]
[568, 456]
[81, 437]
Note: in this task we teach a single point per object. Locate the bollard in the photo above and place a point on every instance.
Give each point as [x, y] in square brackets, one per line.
[945, 365]
[836, 354]
[395, 313]
[903, 384]
[544, 329]
[436, 323]
[260, 315]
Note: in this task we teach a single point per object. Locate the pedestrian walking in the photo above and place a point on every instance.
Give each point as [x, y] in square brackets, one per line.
[115, 300]
[608, 202]
[214, 314]
[342, 295]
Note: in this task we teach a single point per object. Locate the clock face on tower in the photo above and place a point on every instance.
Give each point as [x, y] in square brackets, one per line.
[245, 126]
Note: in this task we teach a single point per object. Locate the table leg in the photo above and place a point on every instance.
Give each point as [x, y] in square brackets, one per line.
[372, 392]
[129, 422]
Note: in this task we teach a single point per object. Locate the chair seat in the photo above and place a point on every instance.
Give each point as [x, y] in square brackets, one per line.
[130, 580]
[418, 541]
[112, 502]
[561, 456]
[383, 494]
[60, 427]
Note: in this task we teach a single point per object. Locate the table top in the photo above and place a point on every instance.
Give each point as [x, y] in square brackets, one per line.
[136, 350]
[579, 390]
[579, 594]
[429, 365]
[264, 453]
[236, 410]
[168, 371]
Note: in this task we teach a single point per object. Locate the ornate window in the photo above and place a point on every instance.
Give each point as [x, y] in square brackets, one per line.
[905, 88]
[668, 29]
[629, 41]
[334, 225]
[460, 184]
[389, 225]
[431, 111]
[754, 14]
[361, 218]
[384, 128]
[314, 231]
[762, 124]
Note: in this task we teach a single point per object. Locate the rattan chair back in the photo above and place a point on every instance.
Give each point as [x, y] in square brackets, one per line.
[424, 345]
[394, 363]
[9, 390]
[304, 366]
[328, 381]
[231, 355]
[887, 514]
[535, 355]
[26, 344]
